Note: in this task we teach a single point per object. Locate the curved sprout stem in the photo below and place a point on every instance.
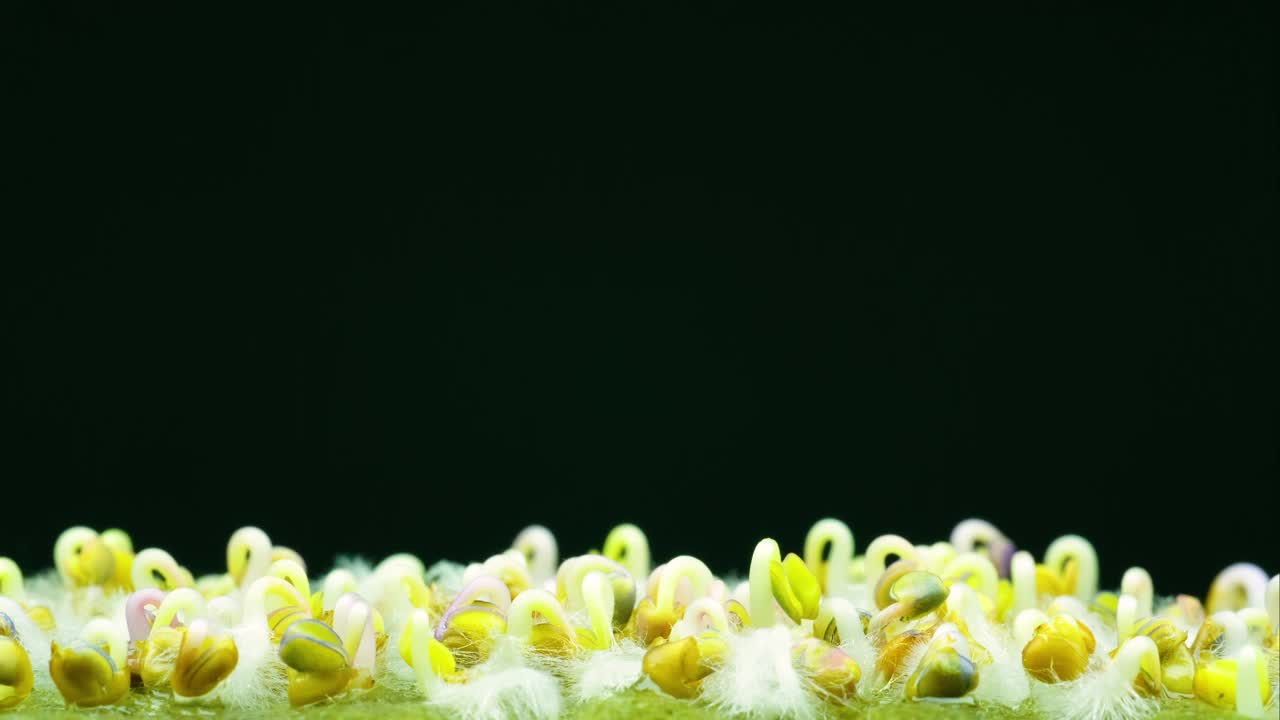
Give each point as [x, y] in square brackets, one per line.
[880, 549]
[835, 534]
[1074, 547]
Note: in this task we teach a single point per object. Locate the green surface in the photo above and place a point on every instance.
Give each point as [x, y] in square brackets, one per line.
[640, 705]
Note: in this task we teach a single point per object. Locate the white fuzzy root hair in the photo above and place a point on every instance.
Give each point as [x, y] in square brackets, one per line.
[759, 681]
[258, 681]
[502, 688]
[602, 674]
[1097, 695]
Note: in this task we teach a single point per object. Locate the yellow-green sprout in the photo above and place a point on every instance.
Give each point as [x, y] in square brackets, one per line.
[396, 580]
[914, 595]
[1137, 583]
[879, 551]
[702, 615]
[1126, 618]
[280, 552]
[1238, 586]
[474, 619]
[1075, 562]
[191, 657]
[654, 617]
[336, 584]
[1138, 660]
[122, 551]
[159, 651]
[13, 586]
[555, 636]
[839, 623]
[249, 556]
[430, 659]
[155, 568]
[977, 571]
[598, 597]
[1022, 576]
[569, 584]
[410, 561]
[293, 573]
[788, 583]
[83, 559]
[509, 567]
[275, 604]
[828, 551]
[795, 588]
[11, 580]
[215, 585]
[541, 554]
[627, 545]
[976, 535]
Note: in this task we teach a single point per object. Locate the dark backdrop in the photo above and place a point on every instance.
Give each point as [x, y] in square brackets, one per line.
[383, 280]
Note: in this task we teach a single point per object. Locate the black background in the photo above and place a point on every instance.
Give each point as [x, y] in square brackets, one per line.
[409, 279]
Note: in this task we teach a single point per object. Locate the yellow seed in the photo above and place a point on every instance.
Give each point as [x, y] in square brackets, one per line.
[16, 677]
[471, 633]
[679, 667]
[313, 646]
[1177, 671]
[828, 667]
[921, 592]
[157, 654]
[306, 688]
[548, 639]
[1059, 651]
[650, 623]
[86, 676]
[943, 673]
[442, 661]
[202, 665]
[1215, 682]
[896, 651]
[1164, 633]
[1208, 641]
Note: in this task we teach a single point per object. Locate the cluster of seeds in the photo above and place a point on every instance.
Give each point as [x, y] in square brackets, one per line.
[968, 620]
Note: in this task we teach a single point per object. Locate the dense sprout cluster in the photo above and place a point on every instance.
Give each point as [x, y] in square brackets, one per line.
[523, 634]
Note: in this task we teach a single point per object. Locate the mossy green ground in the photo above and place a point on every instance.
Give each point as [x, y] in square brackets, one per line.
[637, 705]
